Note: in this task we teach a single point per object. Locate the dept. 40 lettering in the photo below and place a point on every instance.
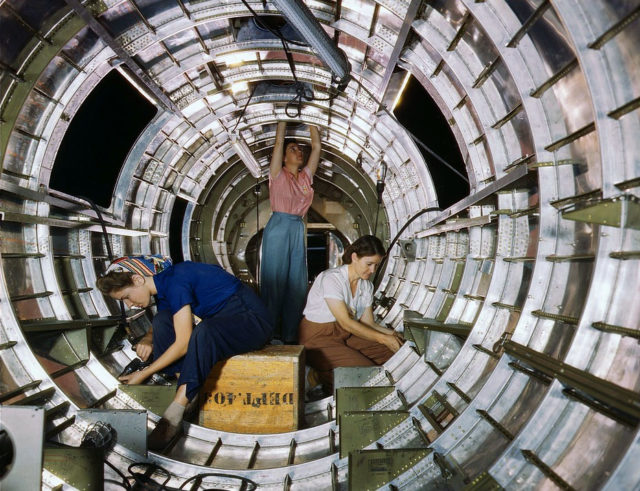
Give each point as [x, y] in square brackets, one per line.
[251, 399]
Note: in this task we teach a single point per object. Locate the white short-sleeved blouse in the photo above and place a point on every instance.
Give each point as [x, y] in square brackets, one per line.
[334, 283]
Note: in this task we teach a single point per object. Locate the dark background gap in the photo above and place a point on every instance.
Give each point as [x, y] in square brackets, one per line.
[99, 138]
[175, 229]
[417, 112]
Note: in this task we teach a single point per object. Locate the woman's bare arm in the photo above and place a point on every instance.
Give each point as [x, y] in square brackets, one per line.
[278, 150]
[316, 147]
[183, 325]
[339, 310]
[367, 319]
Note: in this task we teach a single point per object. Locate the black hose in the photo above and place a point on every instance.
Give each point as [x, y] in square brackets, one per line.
[301, 93]
[123, 315]
[395, 239]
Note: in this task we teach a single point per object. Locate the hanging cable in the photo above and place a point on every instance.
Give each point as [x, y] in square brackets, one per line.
[123, 315]
[244, 109]
[245, 483]
[301, 90]
[381, 177]
[395, 239]
[413, 137]
[145, 480]
[297, 99]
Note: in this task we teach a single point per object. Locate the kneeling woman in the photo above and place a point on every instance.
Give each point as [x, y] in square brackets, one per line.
[338, 329]
[204, 315]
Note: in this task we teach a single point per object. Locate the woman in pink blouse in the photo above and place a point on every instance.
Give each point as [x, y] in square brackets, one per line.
[283, 271]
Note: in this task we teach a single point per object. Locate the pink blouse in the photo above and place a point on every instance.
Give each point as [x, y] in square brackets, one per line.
[290, 195]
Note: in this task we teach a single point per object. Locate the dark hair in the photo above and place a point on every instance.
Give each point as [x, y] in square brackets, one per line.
[287, 142]
[367, 245]
[114, 281]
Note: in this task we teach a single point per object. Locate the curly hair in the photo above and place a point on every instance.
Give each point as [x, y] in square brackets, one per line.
[367, 245]
[114, 281]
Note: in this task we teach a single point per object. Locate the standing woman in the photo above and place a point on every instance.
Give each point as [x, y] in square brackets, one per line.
[338, 328]
[204, 315]
[283, 271]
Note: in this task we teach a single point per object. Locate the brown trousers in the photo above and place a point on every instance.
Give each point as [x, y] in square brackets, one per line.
[327, 346]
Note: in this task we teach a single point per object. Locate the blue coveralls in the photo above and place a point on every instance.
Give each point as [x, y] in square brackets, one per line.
[234, 320]
[283, 271]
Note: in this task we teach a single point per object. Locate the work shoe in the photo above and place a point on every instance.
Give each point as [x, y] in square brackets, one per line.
[162, 435]
[191, 411]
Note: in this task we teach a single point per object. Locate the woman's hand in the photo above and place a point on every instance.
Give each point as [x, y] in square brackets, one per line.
[393, 341]
[135, 378]
[144, 348]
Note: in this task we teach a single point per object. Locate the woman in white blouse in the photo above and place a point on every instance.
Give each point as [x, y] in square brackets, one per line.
[338, 329]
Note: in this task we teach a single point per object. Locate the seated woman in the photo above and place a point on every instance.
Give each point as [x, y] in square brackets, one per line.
[338, 329]
[204, 315]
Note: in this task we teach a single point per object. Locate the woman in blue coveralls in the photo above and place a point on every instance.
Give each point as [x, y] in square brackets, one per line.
[283, 271]
[204, 315]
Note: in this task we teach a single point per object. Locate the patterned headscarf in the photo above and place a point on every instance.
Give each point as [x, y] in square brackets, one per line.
[142, 265]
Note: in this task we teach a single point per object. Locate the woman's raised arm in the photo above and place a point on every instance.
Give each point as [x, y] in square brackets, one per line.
[278, 150]
[316, 146]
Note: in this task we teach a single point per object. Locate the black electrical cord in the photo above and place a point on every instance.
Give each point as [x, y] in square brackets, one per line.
[414, 137]
[247, 484]
[123, 315]
[103, 225]
[125, 482]
[297, 99]
[395, 239]
[244, 109]
[276, 32]
[301, 92]
[144, 479]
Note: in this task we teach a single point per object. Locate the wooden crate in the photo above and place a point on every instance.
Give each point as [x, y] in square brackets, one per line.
[257, 392]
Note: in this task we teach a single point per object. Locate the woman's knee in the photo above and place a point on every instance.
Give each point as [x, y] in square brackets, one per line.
[200, 336]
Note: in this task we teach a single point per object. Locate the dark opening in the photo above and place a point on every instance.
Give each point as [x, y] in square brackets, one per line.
[98, 139]
[175, 229]
[316, 253]
[6, 453]
[421, 116]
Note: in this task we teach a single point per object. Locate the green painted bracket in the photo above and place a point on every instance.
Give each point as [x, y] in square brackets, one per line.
[361, 428]
[79, 467]
[155, 398]
[483, 482]
[372, 469]
[441, 316]
[621, 211]
[71, 346]
[419, 338]
[415, 320]
[457, 277]
[359, 398]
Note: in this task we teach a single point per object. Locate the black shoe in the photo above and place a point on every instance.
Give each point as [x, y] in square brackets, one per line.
[162, 435]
